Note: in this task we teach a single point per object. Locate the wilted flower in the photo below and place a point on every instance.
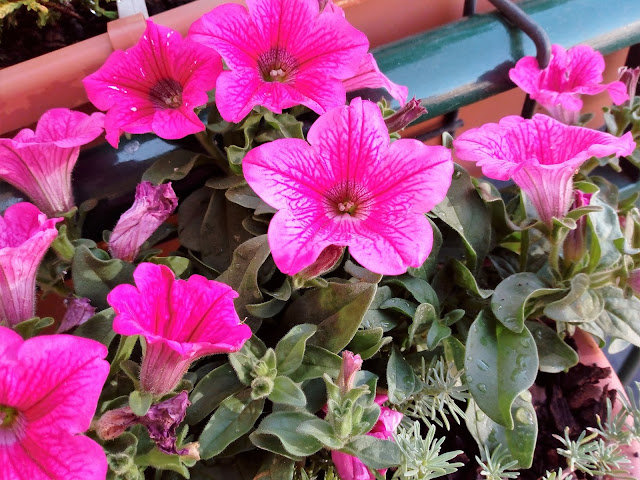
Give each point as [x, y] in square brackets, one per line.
[25, 236]
[154, 85]
[405, 116]
[350, 187]
[352, 468]
[152, 206]
[629, 77]
[49, 389]
[40, 163]
[162, 421]
[79, 310]
[634, 281]
[541, 155]
[180, 321]
[280, 53]
[570, 74]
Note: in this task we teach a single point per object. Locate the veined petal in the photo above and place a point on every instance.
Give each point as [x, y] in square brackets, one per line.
[283, 22]
[370, 76]
[67, 128]
[287, 174]
[352, 140]
[176, 123]
[392, 241]
[318, 93]
[235, 93]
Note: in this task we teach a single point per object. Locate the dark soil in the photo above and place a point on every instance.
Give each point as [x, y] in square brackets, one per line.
[71, 22]
[563, 399]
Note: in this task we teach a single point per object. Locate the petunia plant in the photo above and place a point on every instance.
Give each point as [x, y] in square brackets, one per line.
[297, 289]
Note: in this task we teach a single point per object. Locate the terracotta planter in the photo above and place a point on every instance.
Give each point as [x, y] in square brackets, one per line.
[591, 354]
[55, 79]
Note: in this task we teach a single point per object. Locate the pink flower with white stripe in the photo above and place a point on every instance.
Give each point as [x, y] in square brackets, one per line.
[570, 74]
[350, 187]
[40, 163]
[280, 53]
[49, 390]
[541, 155]
[25, 236]
[155, 85]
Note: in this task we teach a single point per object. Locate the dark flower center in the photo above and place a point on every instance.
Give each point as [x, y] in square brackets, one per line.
[167, 93]
[8, 416]
[277, 65]
[348, 198]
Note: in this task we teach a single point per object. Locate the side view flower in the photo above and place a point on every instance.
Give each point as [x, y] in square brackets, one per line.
[570, 74]
[350, 187]
[280, 53]
[49, 389]
[25, 236]
[152, 206]
[155, 85]
[180, 321]
[40, 163]
[541, 155]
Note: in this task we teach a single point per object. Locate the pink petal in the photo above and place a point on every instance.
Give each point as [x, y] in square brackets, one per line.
[67, 128]
[50, 454]
[318, 93]
[370, 76]
[235, 94]
[387, 423]
[173, 124]
[282, 22]
[10, 342]
[350, 467]
[25, 237]
[525, 74]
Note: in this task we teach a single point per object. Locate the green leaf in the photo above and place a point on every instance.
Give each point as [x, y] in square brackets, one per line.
[374, 452]
[236, 153]
[620, 317]
[367, 343]
[30, 328]
[316, 362]
[322, 431]
[605, 227]
[234, 417]
[99, 327]
[245, 359]
[125, 347]
[454, 352]
[581, 304]
[337, 309]
[510, 301]
[290, 349]
[425, 315]
[464, 278]
[465, 212]
[288, 125]
[211, 391]
[419, 289]
[520, 441]
[492, 348]
[161, 461]
[428, 268]
[285, 391]
[375, 316]
[554, 354]
[278, 433]
[437, 333]
[177, 264]
[274, 467]
[94, 278]
[400, 305]
[174, 165]
[401, 379]
[140, 402]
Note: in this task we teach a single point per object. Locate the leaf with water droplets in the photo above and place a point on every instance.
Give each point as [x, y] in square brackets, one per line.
[554, 354]
[499, 365]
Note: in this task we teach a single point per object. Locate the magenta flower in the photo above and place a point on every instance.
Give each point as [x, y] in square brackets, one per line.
[152, 206]
[79, 310]
[370, 76]
[541, 155]
[154, 85]
[40, 163]
[570, 74]
[49, 389]
[25, 236]
[350, 467]
[280, 53]
[350, 187]
[180, 320]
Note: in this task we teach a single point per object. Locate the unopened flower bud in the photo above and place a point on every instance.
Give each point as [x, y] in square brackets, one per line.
[261, 387]
[326, 261]
[351, 365]
[629, 76]
[634, 281]
[79, 310]
[114, 423]
[152, 206]
[411, 111]
[575, 243]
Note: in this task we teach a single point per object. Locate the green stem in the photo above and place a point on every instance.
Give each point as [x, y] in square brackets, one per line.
[213, 151]
[524, 250]
[554, 255]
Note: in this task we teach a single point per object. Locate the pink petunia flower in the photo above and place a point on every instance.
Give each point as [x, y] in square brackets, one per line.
[570, 74]
[541, 155]
[370, 76]
[79, 310]
[25, 236]
[49, 389]
[350, 187]
[154, 85]
[40, 163]
[352, 468]
[280, 53]
[152, 206]
[180, 320]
